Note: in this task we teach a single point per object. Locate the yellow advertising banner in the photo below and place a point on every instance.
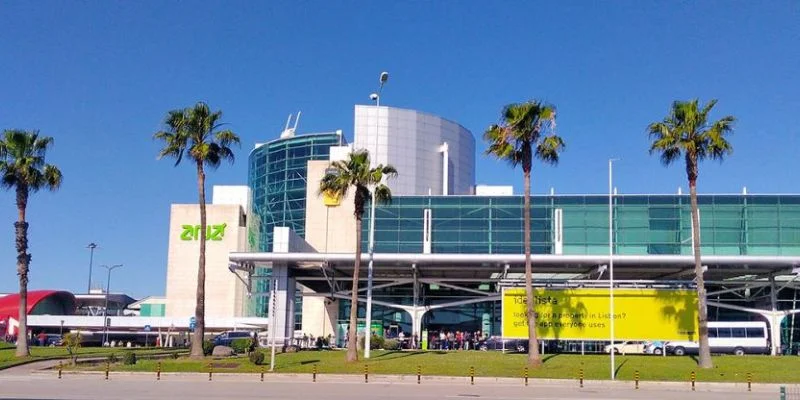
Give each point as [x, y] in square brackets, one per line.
[330, 199]
[578, 314]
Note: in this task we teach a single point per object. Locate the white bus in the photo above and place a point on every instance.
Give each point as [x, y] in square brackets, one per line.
[737, 338]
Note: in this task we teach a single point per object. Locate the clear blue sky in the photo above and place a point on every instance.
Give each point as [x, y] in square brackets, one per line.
[99, 77]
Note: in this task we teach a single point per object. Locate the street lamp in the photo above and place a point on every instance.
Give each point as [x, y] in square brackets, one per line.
[105, 309]
[611, 258]
[376, 97]
[91, 248]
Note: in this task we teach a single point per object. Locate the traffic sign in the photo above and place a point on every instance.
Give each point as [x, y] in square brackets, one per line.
[147, 328]
[192, 323]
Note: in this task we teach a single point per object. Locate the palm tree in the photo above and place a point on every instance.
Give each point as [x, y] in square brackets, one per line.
[196, 132]
[23, 168]
[356, 172]
[687, 132]
[518, 139]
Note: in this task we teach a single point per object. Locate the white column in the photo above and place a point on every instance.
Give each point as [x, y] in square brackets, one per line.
[444, 149]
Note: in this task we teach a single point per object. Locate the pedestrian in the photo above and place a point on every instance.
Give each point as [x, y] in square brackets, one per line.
[42, 338]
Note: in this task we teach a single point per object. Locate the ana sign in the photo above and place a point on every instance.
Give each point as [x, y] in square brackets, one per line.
[639, 314]
[213, 232]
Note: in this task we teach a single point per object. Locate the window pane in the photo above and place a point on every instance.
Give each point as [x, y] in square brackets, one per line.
[712, 332]
[724, 332]
[738, 332]
[755, 332]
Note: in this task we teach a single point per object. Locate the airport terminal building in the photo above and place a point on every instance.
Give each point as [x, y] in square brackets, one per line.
[446, 247]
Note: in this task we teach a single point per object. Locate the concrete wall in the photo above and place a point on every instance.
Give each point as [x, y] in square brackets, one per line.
[224, 292]
[328, 229]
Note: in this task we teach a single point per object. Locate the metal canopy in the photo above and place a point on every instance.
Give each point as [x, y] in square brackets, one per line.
[483, 266]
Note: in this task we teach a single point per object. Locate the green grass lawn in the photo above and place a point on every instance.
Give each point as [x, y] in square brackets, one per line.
[495, 364]
[8, 358]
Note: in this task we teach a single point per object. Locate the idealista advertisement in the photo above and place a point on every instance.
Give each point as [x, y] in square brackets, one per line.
[583, 314]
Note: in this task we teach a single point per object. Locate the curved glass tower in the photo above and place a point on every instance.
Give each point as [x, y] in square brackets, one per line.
[277, 180]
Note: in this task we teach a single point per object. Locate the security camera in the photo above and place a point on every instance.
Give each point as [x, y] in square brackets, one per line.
[373, 96]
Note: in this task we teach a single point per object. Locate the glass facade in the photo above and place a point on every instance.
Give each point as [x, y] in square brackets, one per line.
[643, 224]
[277, 179]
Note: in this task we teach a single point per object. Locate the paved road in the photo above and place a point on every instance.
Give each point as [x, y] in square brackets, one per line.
[174, 387]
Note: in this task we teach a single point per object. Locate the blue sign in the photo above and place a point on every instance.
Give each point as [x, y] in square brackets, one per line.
[147, 328]
[192, 323]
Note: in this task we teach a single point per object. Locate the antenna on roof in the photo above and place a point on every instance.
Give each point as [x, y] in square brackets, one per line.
[289, 132]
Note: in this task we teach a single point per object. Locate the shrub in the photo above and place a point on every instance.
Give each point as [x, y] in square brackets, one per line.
[257, 358]
[174, 356]
[242, 346]
[375, 343]
[130, 358]
[391, 344]
[208, 347]
[72, 341]
[112, 358]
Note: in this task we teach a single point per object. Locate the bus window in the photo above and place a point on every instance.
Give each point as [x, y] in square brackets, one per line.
[724, 332]
[712, 332]
[755, 332]
[737, 332]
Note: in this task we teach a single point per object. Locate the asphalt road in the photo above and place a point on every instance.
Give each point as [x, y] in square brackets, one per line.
[174, 387]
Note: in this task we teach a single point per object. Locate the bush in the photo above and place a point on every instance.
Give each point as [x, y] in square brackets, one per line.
[375, 343]
[242, 346]
[130, 358]
[72, 341]
[112, 358]
[257, 358]
[175, 356]
[208, 347]
[391, 344]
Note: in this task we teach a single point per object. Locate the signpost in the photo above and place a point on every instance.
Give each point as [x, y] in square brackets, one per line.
[582, 314]
[192, 324]
[146, 334]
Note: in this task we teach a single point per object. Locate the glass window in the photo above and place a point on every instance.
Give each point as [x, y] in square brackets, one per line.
[724, 332]
[737, 332]
[712, 332]
[754, 332]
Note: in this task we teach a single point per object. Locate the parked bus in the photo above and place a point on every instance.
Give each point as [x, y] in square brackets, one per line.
[737, 338]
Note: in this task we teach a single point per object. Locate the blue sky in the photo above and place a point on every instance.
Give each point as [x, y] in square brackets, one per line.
[99, 77]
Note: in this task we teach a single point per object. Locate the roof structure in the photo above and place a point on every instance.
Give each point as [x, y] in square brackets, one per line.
[9, 305]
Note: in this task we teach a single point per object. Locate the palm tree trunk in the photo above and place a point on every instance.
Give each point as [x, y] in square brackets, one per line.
[704, 360]
[534, 359]
[200, 308]
[352, 332]
[23, 263]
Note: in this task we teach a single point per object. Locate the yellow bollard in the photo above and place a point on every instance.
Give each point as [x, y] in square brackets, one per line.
[314, 373]
[580, 376]
[471, 375]
[693, 377]
[749, 382]
[262, 374]
[366, 373]
[108, 366]
[60, 367]
[526, 376]
[636, 378]
[419, 373]
[210, 370]
[158, 371]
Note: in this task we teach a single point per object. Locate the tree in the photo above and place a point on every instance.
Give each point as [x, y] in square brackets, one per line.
[687, 132]
[23, 168]
[518, 139]
[196, 133]
[355, 172]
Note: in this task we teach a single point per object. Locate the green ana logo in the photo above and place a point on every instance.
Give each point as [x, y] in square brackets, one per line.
[213, 232]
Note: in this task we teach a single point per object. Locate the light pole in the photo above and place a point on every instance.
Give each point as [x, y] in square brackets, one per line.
[368, 334]
[91, 248]
[611, 259]
[105, 309]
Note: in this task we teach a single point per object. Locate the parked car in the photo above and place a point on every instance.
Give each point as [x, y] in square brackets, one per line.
[53, 340]
[226, 338]
[497, 343]
[627, 347]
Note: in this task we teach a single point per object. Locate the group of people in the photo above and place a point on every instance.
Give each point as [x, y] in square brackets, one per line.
[458, 340]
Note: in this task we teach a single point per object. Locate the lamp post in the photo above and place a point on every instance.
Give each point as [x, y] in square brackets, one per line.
[368, 334]
[91, 248]
[611, 259]
[105, 309]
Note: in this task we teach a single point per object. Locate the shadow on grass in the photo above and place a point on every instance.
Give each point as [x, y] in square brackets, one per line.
[696, 360]
[547, 358]
[308, 362]
[619, 367]
[403, 354]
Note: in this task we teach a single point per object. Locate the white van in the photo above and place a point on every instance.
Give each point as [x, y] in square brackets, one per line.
[737, 338]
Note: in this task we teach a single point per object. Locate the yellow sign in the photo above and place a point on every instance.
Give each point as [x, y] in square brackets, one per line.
[576, 314]
[330, 199]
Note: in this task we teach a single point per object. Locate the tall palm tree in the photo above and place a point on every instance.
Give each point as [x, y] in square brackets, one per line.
[687, 132]
[23, 168]
[196, 132]
[518, 139]
[356, 172]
